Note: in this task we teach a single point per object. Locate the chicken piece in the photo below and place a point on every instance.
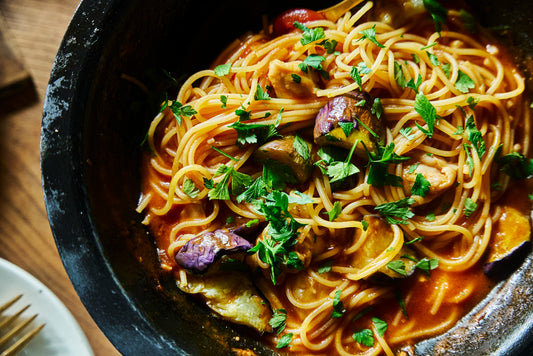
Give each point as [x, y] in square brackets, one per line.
[232, 295]
[289, 81]
[439, 173]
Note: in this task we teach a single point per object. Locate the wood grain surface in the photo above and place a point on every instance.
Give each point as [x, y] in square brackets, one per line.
[36, 27]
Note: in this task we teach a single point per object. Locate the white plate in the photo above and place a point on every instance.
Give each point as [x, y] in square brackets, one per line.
[61, 336]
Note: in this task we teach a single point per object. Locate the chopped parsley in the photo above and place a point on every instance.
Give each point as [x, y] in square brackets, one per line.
[309, 35]
[397, 266]
[399, 77]
[470, 207]
[411, 83]
[190, 189]
[475, 136]
[338, 306]
[377, 174]
[261, 94]
[314, 61]
[427, 265]
[406, 132]
[370, 34]
[284, 341]
[380, 325]
[427, 111]
[326, 267]
[222, 69]
[464, 83]
[364, 337]
[468, 21]
[377, 108]
[354, 73]
[296, 78]
[437, 12]
[278, 320]
[335, 211]
[338, 170]
[301, 147]
[179, 110]
[396, 212]
[421, 185]
[515, 165]
[224, 101]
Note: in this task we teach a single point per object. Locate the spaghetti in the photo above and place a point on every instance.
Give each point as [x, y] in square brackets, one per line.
[376, 261]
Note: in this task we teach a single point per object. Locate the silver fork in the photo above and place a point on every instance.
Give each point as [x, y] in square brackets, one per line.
[15, 329]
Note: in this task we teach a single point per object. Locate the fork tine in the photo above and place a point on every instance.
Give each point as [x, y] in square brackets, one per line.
[19, 345]
[8, 320]
[16, 330]
[9, 303]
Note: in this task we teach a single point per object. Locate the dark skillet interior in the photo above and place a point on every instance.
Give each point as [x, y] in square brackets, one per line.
[94, 121]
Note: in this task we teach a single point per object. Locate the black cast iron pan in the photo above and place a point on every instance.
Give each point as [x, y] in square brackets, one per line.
[94, 120]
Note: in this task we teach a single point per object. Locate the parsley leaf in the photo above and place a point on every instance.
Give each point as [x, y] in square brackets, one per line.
[438, 13]
[179, 110]
[421, 185]
[341, 170]
[380, 325]
[468, 21]
[346, 127]
[364, 337]
[314, 61]
[277, 175]
[397, 266]
[399, 299]
[326, 267]
[470, 207]
[190, 189]
[433, 59]
[464, 83]
[222, 69]
[284, 341]
[338, 306]
[224, 101]
[309, 34]
[301, 147]
[354, 73]
[427, 111]
[396, 212]
[411, 83]
[377, 108]
[399, 77]
[475, 136]
[427, 265]
[261, 94]
[377, 174]
[254, 133]
[279, 317]
[370, 34]
[406, 132]
[335, 211]
[239, 181]
[469, 159]
[515, 165]
[296, 78]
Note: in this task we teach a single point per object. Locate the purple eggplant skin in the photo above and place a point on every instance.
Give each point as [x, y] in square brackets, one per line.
[354, 107]
[510, 243]
[503, 267]
[250, 233]
[202, 251]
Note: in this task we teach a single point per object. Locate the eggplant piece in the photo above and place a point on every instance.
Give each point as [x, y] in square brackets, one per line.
[511, 241]
[202, 251]
[379, 238]
[251, 232]
[289, 82]
[334, 119]
[284, 152]
[232, 295]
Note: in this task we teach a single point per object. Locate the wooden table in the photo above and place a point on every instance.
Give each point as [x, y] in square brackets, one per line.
[36, 27]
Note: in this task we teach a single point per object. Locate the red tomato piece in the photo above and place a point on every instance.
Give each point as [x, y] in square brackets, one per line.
[284, 23]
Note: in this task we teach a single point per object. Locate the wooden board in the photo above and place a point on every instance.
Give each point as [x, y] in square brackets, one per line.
[12, 71]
